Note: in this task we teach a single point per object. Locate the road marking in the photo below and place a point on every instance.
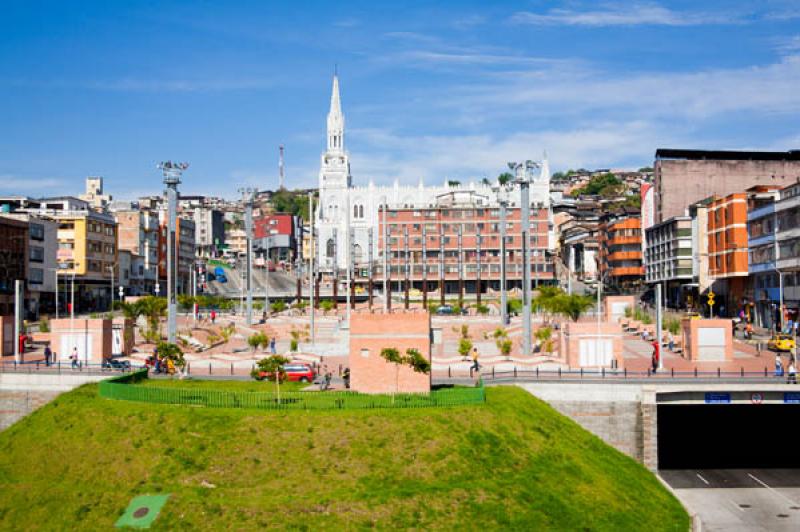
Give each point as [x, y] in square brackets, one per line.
[772, 489]
[701, 478]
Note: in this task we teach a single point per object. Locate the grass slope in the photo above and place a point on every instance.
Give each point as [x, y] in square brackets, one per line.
[513, 463]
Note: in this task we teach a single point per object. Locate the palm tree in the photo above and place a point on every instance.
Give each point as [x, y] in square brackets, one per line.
[573, 305]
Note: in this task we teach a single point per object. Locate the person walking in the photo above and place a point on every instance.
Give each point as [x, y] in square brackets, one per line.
[74, 357]
[791, 374]
[670, 341]
[272, 345]
[656, 356]
[213, 316]
[48, 355]
[328, 378]
[346, 377]
[778, 366]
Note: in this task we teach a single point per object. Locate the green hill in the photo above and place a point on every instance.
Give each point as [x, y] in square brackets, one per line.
[511, 463]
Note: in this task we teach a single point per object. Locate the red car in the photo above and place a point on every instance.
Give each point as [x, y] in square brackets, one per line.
[299, 372]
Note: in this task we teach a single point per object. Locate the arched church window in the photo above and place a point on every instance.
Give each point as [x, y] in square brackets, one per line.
[355, 211]
[329, 248]
[360, 211]
[358, 253]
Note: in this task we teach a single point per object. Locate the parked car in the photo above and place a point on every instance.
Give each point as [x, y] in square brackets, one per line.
[222, 279]
[219, 270]
[444, 310]
[299, 372]
[781, 342]
[112, 363]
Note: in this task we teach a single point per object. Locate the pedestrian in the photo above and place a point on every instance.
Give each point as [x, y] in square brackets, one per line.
[791, 374]
[157, 363]
[328, 377]
[778, 366]
[671, 341]
[346, 377]
[213, 316]
[656, 356]
[475, 365]
[74, 357]
[272, 345]
[47, 356]
[748, 331]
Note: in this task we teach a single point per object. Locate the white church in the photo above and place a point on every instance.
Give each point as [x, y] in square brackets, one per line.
[342, 205]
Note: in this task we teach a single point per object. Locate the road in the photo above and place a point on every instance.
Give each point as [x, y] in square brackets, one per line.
[740, 499]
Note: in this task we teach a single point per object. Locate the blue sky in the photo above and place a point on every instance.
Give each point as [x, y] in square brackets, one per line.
[432, 90]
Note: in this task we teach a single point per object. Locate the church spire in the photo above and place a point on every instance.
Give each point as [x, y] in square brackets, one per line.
[335, 119]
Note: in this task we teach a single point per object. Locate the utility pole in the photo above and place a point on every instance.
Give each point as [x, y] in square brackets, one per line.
[370, 265]
[523, 177]
[424, 268]
[172, 178]
[17, 319]
[386, 295]
[502, 199]
[248, 196]
[194, 293]
[659, 320]
[281, 167]
[312, 249]
[349, 264]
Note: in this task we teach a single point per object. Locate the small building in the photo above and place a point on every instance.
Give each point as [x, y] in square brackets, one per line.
[668, 259]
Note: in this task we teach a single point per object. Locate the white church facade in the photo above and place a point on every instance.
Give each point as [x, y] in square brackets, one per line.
[344, 207]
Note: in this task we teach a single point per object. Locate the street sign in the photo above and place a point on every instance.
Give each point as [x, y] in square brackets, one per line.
[718, 398]
[711, 294]
[791, 398]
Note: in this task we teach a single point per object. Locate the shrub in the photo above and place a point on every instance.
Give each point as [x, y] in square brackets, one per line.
[293, 345]
[499, 333]
[514, 306]
[482, 310]
[44, 325]
[270, 368]
[301, 304]
[505, 346]
[433, 307]
[278, 306]
[326, 305]
[258, 339]
[628, 312]
[172, 352]
[464, 347]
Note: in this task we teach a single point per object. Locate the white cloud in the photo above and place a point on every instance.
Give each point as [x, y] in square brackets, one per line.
[153, 85]
[384, 155]
[622, 15]
[30, 185]
[789, 45]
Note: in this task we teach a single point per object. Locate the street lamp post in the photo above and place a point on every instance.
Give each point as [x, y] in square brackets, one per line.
[172, 178]
[502, 198]
[311, 255]
[248, 196]
[523, 179]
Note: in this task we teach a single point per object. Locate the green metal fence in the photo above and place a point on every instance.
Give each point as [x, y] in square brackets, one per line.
[125, 388]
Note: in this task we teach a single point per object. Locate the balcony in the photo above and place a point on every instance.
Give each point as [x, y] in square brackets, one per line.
[623, 271]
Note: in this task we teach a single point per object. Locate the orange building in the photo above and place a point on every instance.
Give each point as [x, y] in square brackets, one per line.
[727, 249]
[620, 251]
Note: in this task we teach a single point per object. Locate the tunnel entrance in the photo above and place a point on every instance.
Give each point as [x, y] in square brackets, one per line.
[727, 436]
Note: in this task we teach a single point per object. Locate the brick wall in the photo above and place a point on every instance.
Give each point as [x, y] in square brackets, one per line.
[372, 332]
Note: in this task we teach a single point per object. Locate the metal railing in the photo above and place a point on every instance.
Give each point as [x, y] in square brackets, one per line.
[602, 374]
[66, 368]
[125, 388]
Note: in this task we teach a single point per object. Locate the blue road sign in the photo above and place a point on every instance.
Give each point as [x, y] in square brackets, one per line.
[792, 398]
[718, 398]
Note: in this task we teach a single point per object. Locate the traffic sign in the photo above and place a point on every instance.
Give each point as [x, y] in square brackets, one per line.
[718, 398]
[710, 301]
[711, 294]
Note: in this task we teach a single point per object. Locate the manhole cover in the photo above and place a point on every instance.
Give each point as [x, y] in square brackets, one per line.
[142, 511]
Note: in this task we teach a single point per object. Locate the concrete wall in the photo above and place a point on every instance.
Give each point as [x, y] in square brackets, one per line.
[576, 333]
[691, 339]
[92, 337]
[370, 333]
[22, 393]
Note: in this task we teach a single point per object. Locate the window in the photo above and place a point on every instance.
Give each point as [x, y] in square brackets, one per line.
[36, 276]
[37, 231]
[36, 254]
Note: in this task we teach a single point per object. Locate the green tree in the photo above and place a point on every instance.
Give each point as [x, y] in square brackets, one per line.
[505, 177]
[271, 368]
[464, 347]
[545, 337]
[278, 306]
[573, 306]
[185, 302]
[453, 182]
[393, 356]
[413, 359]
[153, 308]
[173, 352]
[505, 346]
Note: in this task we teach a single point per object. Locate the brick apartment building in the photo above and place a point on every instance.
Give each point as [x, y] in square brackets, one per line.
[13, 260]
[619, 261]
[276, 234]
[684, 177]
[184, 231]
[457, 247]
[727, 249]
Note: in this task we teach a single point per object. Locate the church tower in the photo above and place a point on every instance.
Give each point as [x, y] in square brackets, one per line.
[335, 165]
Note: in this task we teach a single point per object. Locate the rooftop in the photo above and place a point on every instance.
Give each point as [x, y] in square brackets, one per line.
[724, 155]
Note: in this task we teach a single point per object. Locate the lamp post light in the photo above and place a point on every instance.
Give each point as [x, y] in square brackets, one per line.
[523, 179]
[311, 272]
[502, 199]
[172, 178]
[248, 196]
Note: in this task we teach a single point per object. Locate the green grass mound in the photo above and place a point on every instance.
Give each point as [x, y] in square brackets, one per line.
[511, 463]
